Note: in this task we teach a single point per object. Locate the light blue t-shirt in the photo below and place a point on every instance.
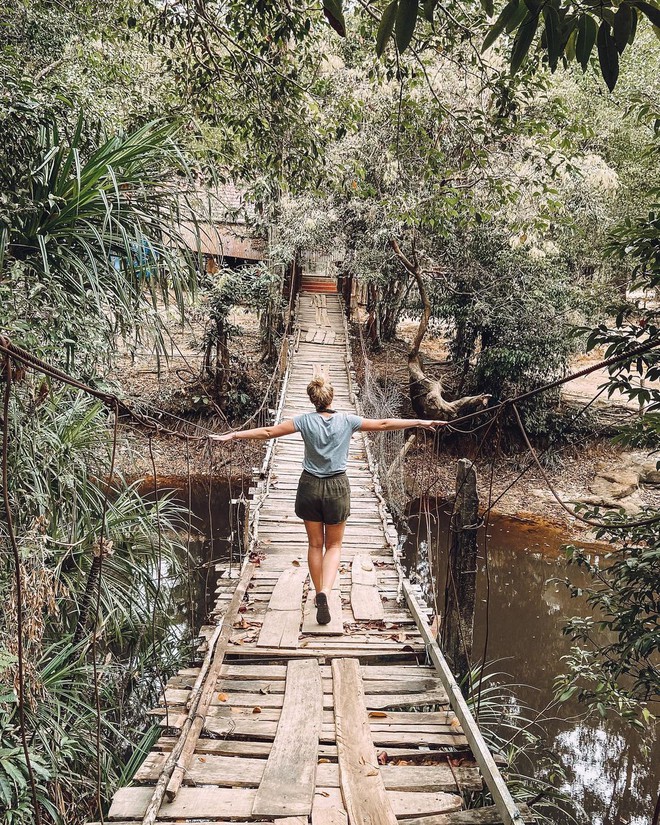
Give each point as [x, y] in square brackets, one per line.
[326, 441]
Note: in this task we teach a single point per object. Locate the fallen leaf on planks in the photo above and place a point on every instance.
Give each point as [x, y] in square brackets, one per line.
[383, 758]
[377, 714]
[256, 710]
[223, 697]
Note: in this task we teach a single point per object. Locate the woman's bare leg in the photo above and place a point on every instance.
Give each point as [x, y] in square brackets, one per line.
[315, 552]
[334, 535]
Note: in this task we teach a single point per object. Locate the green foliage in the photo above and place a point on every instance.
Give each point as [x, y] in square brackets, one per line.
[613, 666]
[567, 30]
[511, 316]
[15, 794]
[252, 86]
[511, 728]
[59, 450]
[254, 287]
[92, 232]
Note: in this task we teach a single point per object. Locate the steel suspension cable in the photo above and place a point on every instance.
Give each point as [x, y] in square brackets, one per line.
[592, 522]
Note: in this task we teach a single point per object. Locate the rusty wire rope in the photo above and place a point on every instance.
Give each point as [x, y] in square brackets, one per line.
[11, 534]
[103, 547]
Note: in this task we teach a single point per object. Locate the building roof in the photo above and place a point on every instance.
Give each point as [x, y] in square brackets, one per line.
[223, 240]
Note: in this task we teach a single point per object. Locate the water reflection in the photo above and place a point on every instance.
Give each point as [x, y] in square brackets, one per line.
[609, 772]
[213, 534]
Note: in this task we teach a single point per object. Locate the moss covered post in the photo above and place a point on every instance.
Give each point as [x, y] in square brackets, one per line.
[461, 585]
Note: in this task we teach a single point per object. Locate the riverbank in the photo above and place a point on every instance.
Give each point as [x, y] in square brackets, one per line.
[593, 472]
[173, 391]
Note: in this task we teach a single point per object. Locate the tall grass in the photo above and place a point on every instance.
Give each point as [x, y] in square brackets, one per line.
[59, 458]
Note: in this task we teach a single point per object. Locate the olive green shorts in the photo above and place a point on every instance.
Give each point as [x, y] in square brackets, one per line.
[323, 499]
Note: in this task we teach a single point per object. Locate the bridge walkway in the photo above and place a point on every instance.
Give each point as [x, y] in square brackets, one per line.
[357, 722]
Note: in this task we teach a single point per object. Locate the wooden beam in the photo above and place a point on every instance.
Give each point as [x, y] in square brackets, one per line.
[502, 798]
[362, 786]
[212, 664]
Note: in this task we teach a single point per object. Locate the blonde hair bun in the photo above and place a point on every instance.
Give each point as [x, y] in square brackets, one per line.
[320, 392]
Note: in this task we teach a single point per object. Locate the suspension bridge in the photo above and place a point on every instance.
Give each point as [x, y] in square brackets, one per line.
[359, 722]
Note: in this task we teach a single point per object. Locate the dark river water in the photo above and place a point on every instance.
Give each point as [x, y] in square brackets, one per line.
[611, 772]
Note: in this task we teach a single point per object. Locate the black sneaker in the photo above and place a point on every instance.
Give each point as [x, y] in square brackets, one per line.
[322, 609]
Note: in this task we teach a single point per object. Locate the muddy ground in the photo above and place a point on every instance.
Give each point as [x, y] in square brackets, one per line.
[171, 391]
[592, 471]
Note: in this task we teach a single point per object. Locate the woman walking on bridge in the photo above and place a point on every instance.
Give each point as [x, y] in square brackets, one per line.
[323, 499]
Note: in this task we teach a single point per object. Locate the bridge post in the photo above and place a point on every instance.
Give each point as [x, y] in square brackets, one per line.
[461, 586]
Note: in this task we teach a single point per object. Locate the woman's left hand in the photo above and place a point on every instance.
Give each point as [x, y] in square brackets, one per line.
[432, 424]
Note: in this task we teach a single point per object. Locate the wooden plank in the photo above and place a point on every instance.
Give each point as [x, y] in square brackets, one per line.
[396, 721]
[366, 653]
[366, 603]
[363, 571]
[336, 626]
[370, 673]
[403, 804]
[239, 772]
[335, 816]
[281, 628]
[361, 783]
[328, 815]
[287, 787]
[277, 686]
[241, 720]
[378, 701]
[281, 625]
[258, 726]
[260, 749]
[131, 803]
[478, 816]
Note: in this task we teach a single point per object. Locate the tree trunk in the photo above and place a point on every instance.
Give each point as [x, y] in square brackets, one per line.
[460, 592]
[372, 326]
[427, 398]
[425, 394]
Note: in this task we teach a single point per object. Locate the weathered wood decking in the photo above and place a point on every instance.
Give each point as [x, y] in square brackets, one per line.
[358, 721]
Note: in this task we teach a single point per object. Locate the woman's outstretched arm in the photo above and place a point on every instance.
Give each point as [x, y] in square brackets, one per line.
[389, 424]
[258, 433]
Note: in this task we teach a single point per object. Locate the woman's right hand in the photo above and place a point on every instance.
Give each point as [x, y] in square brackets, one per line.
[223, 437]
